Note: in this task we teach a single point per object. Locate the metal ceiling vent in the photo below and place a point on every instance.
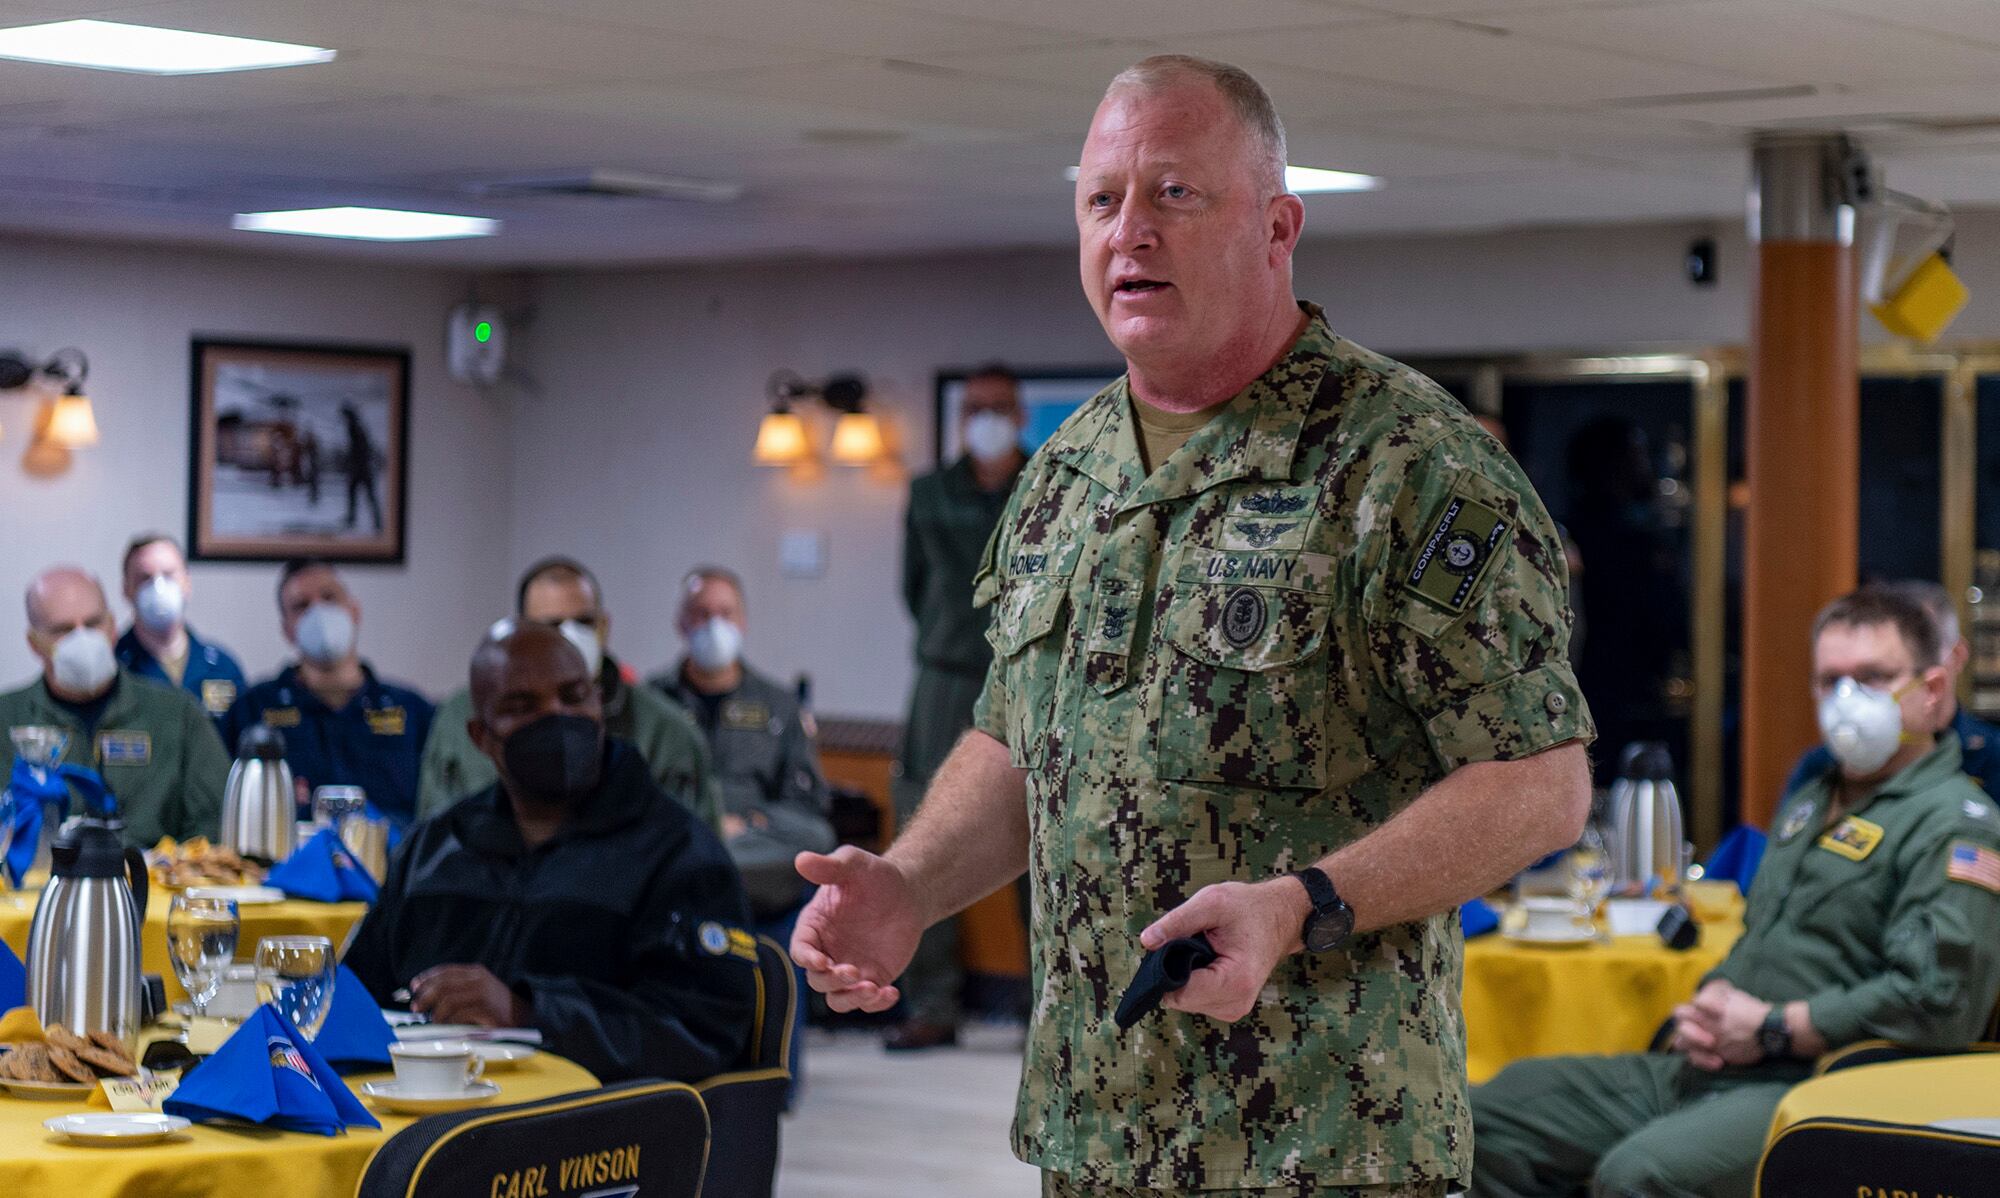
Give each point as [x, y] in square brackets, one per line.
[608, 183]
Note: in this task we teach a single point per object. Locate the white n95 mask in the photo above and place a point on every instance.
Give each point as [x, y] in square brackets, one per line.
[584, 637]
[989, 436]
[83, 664]
[325, 634]
[1862, 725]
[160, 604]
[715, 644]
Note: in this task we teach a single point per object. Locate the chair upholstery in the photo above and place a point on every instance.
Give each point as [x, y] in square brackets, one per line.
[647, 1137]
[1845, 1157]
[744, 1105]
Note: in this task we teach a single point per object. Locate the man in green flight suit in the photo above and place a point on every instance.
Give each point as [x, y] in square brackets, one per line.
[952, 513]
[560, 591]
[1279, 643]
[1873, 915]
[155, 747]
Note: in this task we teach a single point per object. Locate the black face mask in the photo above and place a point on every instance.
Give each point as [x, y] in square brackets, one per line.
[557, 760]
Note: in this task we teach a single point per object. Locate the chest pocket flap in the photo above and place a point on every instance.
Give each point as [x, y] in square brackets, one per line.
[1025, 612]
[1248, 627]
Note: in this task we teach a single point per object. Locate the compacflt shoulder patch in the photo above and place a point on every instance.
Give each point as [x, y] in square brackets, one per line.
[1973, 863]
[1459, 545]
[1853, 838]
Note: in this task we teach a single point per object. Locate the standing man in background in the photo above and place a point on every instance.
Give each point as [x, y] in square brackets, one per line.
[1279, 659]
[562, 593]
[160, 645]
[342, 725]
[952, 513]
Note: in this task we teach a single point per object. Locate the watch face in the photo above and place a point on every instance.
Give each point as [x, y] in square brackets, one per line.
[1328, 931]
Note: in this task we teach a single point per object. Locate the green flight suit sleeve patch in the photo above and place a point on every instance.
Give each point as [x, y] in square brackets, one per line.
[1457, 552]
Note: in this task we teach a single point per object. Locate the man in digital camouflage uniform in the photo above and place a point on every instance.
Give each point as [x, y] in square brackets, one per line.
[1279, 643]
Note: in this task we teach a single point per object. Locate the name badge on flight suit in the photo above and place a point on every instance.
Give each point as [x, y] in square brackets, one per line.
[125, 748]
[388, 721]
[217, 694]
[742, 715]
[1853, 838]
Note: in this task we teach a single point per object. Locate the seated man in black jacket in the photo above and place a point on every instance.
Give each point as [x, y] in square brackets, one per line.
[572, 896]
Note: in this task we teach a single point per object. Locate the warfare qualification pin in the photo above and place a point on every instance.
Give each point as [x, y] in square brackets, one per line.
[1243, 617]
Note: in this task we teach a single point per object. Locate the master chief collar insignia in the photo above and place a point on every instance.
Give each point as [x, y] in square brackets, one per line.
[1795, 819]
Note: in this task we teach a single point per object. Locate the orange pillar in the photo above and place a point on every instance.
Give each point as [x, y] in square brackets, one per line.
[1804, 450]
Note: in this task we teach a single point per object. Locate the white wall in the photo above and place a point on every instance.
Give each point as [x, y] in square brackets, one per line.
[656, 385]
[133, 311]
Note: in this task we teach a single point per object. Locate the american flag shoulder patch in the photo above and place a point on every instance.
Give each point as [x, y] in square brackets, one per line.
[1973, 863]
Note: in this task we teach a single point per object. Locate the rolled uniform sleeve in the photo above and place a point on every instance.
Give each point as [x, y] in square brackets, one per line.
[1467, 608]
[1942, 973]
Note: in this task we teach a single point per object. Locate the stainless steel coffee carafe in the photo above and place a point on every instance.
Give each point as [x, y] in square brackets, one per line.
[83, 946]
[1646, 828]
[259, 810]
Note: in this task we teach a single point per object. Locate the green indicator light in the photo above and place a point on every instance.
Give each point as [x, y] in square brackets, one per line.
[483, 332]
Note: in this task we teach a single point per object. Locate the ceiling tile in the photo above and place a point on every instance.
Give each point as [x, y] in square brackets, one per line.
[1768, 38]
[866, 28]
[1519, 70]
[1153, 20]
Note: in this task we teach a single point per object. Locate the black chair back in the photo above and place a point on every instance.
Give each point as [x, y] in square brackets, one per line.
[744, 1106]
[641, 1137]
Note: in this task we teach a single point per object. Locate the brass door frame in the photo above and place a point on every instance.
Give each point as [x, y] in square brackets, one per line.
[1709, 370]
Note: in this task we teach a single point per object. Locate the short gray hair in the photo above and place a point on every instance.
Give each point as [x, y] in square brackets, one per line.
[1245, 95]
[1937, 604]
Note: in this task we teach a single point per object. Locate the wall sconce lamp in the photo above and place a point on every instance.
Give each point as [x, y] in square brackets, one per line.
[72, 423]
[781, 437]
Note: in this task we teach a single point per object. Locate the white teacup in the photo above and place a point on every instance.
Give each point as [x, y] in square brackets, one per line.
[435, 1066]
[1545, 916]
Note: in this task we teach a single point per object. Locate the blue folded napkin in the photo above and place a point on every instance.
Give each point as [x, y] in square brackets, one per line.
[1477, 917]
[323, 871]
[31, 790]
[267, 1072]
[13, 980]
[355, 1038]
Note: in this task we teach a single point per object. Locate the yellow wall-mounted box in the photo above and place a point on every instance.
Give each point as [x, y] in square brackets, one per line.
[1928, 300]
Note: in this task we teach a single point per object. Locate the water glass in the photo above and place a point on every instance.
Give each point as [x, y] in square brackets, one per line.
[331, 804]
[295, 975]
[1587, 870]
[201, 941]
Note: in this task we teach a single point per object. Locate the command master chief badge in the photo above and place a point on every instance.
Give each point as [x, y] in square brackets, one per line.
[1243, 617]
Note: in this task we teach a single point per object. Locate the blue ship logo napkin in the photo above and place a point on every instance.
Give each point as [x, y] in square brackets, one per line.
[355, 1037]
[267, 1072]
[323, 871]
[1477, 917]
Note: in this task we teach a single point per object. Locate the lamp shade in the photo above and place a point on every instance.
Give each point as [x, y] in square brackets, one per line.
[857, 438]
[781, 440]
[73, 424]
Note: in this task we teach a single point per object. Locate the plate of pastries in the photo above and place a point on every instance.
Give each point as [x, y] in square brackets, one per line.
[195, 862]
[63, 1064]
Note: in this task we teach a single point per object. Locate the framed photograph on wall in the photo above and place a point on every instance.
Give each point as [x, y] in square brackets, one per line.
[1049, 395]
[298, 451]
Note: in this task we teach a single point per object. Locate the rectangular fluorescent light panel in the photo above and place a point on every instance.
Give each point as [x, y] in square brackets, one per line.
[145, 50]
[1305, 180]
[367, 224]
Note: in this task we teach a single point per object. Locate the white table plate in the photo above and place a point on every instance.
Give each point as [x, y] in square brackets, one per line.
[245, 896]
[117, 1130]
[47, 1091]
[1570, 938]
[390, 1097]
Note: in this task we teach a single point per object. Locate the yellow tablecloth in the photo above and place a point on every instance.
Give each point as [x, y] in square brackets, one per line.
[1529, 1001]
[291, 918]
[225, 1161]
[1917, 1092]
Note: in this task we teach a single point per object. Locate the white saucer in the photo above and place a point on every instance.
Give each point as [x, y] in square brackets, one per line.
[1566, 939]
[245, 896]
[390, 1097]
[502, 1056]
[116, 1131]
[47, 1091]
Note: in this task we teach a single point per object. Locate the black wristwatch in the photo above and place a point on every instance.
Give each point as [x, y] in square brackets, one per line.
[1774, 1036]
[1332, 920]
